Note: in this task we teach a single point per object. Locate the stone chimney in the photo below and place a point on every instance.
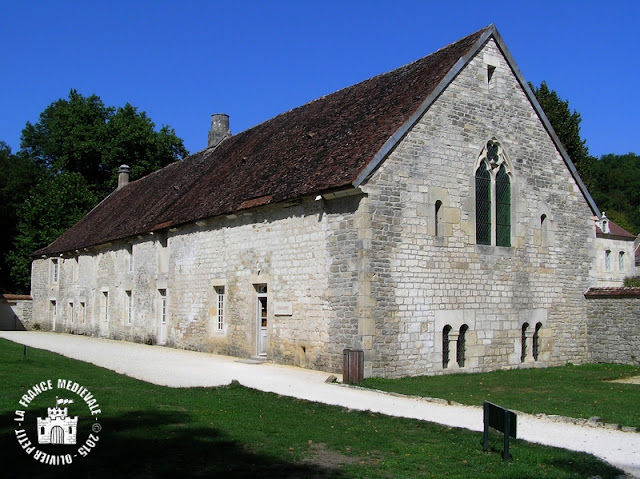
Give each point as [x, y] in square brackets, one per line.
[219, 129]
[123, 176]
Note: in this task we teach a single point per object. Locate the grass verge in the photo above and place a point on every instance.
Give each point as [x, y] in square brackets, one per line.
[573, 391]
[151, 431]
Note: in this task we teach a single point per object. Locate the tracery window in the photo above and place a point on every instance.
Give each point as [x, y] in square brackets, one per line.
[493, 197]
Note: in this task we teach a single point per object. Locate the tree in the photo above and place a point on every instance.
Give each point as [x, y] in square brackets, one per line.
[71, 157]
[616, 189]
[80, 134]
[54, 204]
[17, 176]
[567, 126]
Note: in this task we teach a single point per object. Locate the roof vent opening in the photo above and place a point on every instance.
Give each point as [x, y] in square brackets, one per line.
[219, 129]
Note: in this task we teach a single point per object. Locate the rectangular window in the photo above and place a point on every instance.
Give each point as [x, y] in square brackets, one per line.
[128, 307]
[220, 310]
[76, 269]
[54, 309]
[163, 252]
[607, 260]
[70, 312]
[105, 305]
[130, 258]
[55, 270]
[163, 306]
[83, 313]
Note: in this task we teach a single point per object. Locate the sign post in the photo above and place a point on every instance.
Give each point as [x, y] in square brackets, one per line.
[502, 420]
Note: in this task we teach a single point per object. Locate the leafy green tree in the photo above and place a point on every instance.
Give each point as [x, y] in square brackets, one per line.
[80, 134]
[567, 126]
[73, 153]
[54, 204]
[616, 189]
[17, 176]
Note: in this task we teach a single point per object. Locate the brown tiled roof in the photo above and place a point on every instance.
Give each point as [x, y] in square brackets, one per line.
[615, 232]
[612, 292]
[318, 147]
[16, 297]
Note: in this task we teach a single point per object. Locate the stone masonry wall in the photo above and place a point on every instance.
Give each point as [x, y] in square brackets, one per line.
[613, 325]
[421, 281]
[282, 248]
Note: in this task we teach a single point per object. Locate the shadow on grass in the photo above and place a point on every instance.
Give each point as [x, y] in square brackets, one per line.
[145, 444]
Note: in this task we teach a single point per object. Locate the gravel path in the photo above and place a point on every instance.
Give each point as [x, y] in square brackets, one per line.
[179, 368]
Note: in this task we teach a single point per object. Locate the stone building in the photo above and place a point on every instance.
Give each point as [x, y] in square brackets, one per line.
[615, 253]
[428, 216]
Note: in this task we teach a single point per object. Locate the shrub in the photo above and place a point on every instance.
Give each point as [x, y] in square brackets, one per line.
[632, 282]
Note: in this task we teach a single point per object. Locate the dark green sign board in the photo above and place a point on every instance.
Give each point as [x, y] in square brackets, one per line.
[502, 420]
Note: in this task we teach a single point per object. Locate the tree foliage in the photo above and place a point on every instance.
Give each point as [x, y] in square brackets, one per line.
[82, 135]
[54, 204]
[616, 189]
[67, 163]
[566, 124]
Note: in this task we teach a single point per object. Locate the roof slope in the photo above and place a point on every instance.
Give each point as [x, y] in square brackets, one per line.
[317, 147]
[334, 142]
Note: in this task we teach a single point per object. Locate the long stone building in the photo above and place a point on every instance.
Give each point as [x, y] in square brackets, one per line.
[428, 216]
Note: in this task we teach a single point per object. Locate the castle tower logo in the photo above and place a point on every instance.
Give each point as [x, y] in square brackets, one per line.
[58, 427]
[61, 437]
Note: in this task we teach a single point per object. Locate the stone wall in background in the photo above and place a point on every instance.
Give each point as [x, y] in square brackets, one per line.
[613, 325]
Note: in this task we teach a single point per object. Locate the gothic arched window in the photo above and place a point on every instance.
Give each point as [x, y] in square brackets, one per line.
[493, 187]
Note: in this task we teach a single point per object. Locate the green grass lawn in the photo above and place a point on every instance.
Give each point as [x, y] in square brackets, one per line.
[574, 391]
[152, 431]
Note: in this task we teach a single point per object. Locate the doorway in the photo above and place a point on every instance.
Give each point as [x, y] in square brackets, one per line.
[262, 319]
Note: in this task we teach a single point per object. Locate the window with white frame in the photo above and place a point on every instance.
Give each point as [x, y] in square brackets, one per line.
[129, 250]
[220, 308]
[128, 306]
[53, 309]
[55, 270]
[105, 306]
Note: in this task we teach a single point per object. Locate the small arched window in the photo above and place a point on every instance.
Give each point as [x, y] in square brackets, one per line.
[445, 346]
[536, 342]
[438, 218]
[544, 230]
[462, 345]
[621, 261]
[607, 260]
[523, 342]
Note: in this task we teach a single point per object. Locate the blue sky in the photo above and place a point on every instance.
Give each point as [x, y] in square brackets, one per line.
[182, 61]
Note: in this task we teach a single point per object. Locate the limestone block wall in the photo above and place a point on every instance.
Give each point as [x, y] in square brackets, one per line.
[15, 312]
[614, 261]
[124, 290]
[422, 280]
[613, 319]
